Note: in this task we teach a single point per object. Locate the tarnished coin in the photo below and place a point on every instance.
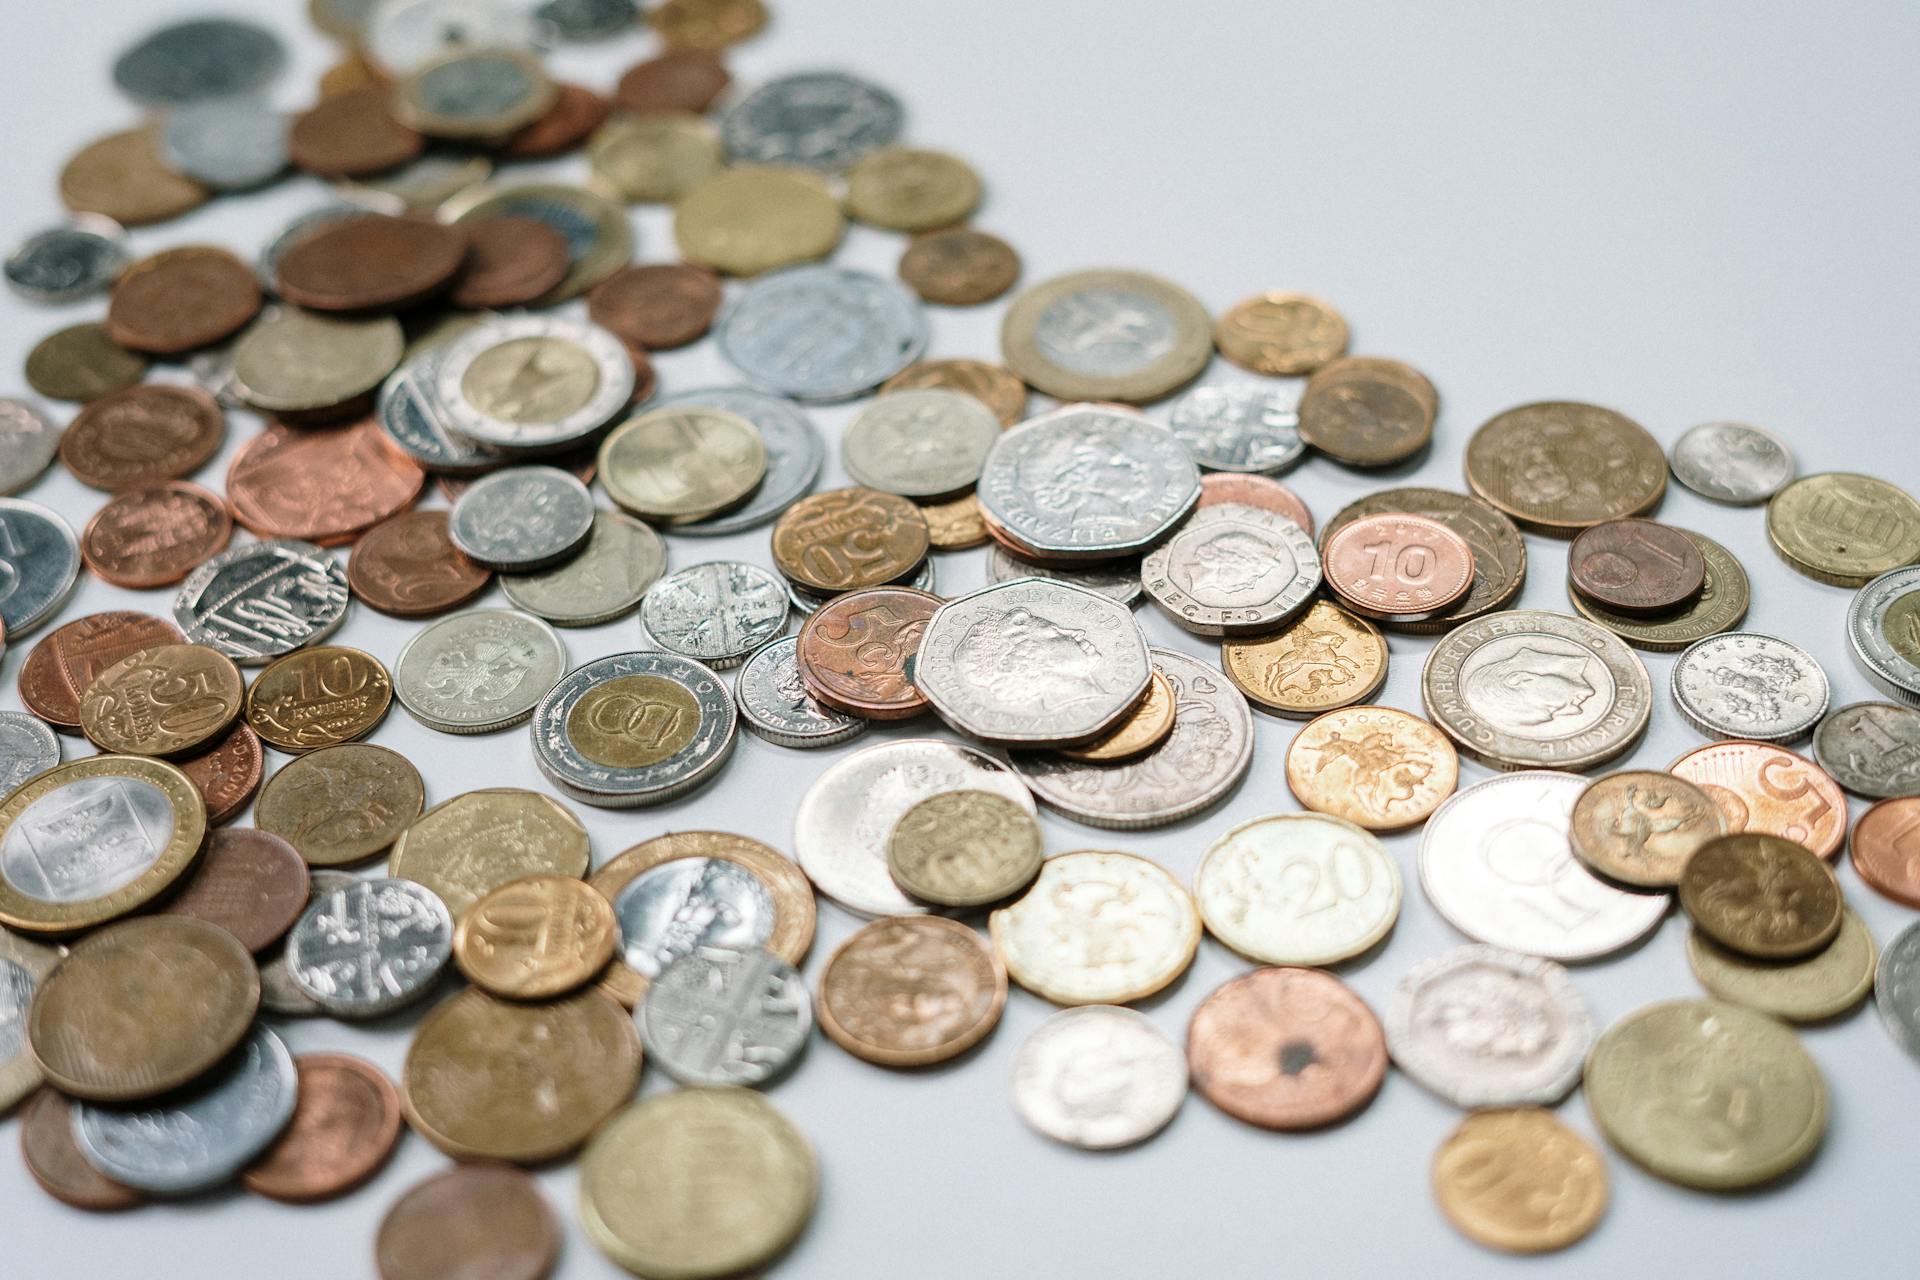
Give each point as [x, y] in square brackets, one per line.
[724, 1016]
[1118, 580]
[70, 262]
[264, 599]
[669, 909]
[717, 612]
[510, 261]
[346, 1121]
[366, 949]
[847, 539]
[1235, 571]
[1769, 789]
[919, 444]
[341, 805]
[1560, 467]
[1636, 566]
[181, 299]
[251, 883]
[1298, 888]
[1883, 630]
[521, 519]
[1707, 1094]
[633, 729]
[532, 383]
[911, 189]
[1640, 826]
[603, 581]
[1239, 426]
[122, 177]
[1325, 658]
[1098, 1077]
[774, 702]
[52, 1155]
[1520, 1181]
[1844, 529]
[1147, 726]
[197, 60]
[24, 966]
[821, 332]
[1823, 985]
[1896, 989]
[1482, 1027]
[464, 848]
[959, 267]
[1495, 862]
[1281, 334]
[319, 697]
[964, 848]
[1750, 686]
[536, 937]
[476, 1215]
[856, 651]
[1871, 748]
[1375, 767]
[911, 991]
[81, 363]
[230, 144]
[165, 701]
[479, 671]
[682, 464]
[1398, 566]
[156, 536]
[1720, 606]
[1106, 335]
[27, 749]
[1098, 927]
[820, 119]
[1368, 412]
[408, 567]
[1286, 1049]
[1762, 896]
[39, 562]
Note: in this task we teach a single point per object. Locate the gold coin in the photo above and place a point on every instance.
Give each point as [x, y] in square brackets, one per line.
[655, 158]
[491, 1079]
[1376, 767]
[906, 189]
[755, 218]
[959, 267]
[1150, 725]
[1560, 467]
[121, 176]
[608, 238]
[1823, 985]
[673, 466]
[292, 361]
[1327, 658]
[143, 1008]
[910, 991]
[990, 384]
[1763, 896]
[497, 382]
[849, 539]
[707, 24]
[964, 848]
[90, 840]
[1640, 826]
[1280, 334]
[24, 966]
[1368, 412]
[601, 724]
[536, 937]
[1707, 1094]
[466, 847]
[1720, 606]
[956, 525]
[1106, 335]
[1844, 529]
[341, 805]
[82, 363]
[1520, 1181]
[656, 1183]
[1098, 927]
[319, 697]
[164, 701]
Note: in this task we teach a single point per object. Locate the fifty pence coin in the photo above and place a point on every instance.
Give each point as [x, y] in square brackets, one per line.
[604, 580]
[1117, 580]
[718, 612]
[820, 332]
[28, 748]
[478, 671]
[1241, 426]
[1883, 630]
[1749, 686]
[774, 702]
[633, 729]
[366, 949]
[39, 563]
[260, 600]
[1872, 749]
[816, 119]
[1106, 335]
[684, 903]
[532, 383]
[68, 263]
[1298, 889]
[719, 1016]
[1237, 571]
[1896, 989]
[919, 444]
[794, 450]
[1732, 462]
[522, 518]
[1098, 1077]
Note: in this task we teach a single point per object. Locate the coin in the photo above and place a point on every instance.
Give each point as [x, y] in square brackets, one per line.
[707, 24]
[990, 384]
[121, 176]
[142, 436]
[321, 484]
[1746, 685]
[1240, 427]
[163, 701]
[69, 262]
[250, 883]
[659, 306]
[1762, 896]
[1871, 748]
[180, 299]
[154, 537]
[1098, 1077]
[847, 539]
[520, 519]
[1481, 1027]
[820, 119]
[81, 363]
[346, 1121]
[1281, 334]
[227, 773]
[1376, 767]
[52, 1155]
[464, 848]
[1896, 989]
[351, 135]
[1398, 565]
[1368, 412]
[231, 144]
[774, 703]
[922, 444]
[59, 668]
[1234, 571]
[536, 937]
[1844, 529]
[1106, 335]
[854, 651]
[1098, 927]
[202, 58]
[964, 848]
[475, 1216]
[599, 236]
[24, 966]
[1886, 851]
[341, 805]
[794, 454]
[667, 156]
[1561, 467]
[474, 93]
[717, 612]
[909, 189]
[955, 525]
[366, 949]
[319, 697]
[959, 267]
[306, 365]
[1731, 462]
[1719, 607]
[1286, 1049]
[605, 580]
[1520, 1181]
[419, 186]
[678, 80]
[532, 383]
[1768, 789]
[30, 441]
[720, 1016]
[1118, 580]
[1298, 889]
[478, 671]
[1326, 658]
[1883, 631]
[1636, 566]
[39, 560]
[1495, 862]
[27, 749]
[510, 261]
[1640, 826]
[1707, 1094]
[911, 991]
[669, 909]
[407, 567]
[681, 464]
[633, 729]
[1148, 725]
[370, 262]
[821, 332]
[1821, 986]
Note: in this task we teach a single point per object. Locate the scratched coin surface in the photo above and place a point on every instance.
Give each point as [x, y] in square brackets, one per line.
[536, 937]
[1098, 1077]
[717, 612]
[318, 697]
[1520, 1181]
[1233, 570]
[1375, 767]
[1098, 927]
[720, 1016]
[264, 599]
[1106, 335]
[1559, 467]
[1731, 462]
[634, 729]
[464, 848]
[341, 805]
[1286, 1049]
[478, 671]
[1742, 684]
[1766, 788]
[1762, 896]
[964, 848]
[366, 949]
[911, 991]
[520, 519]
[39, 564]
[1640, 826]
[1326, 658]
[669, 909]
[28, 748]
[1812, 989]
[1499, 552]
[1845, 529]
[1298, 888]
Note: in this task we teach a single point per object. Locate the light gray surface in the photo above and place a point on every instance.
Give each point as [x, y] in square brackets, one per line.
[1686, 212]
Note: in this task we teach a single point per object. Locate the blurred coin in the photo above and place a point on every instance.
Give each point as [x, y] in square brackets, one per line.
[1481, 1027]
[81, 363]
[1767, 788]
[1719, 607]
[369, 948]
[1871, 748]
[1238, 571]
[599, 236]
[855, 651]
[227, 773]
[1814, 988]
[820, 119]
[142, 436]
[1896, 989]
[28, 442]
[632, 729]
[374, 261]
[1098, 927]
[959, 267]
[1325, 658]
[1762, 896]
[1369, 412]
[510, 261]
[794, 454]
[422, 185]
[400, 35]
[964, 848]
[70, 262]
[346, 1121]
[919, 444]
[24, 966]
[294, 363]
[408, 567]
[266, 267]
[474, 94]
[1376, 767]
[668, 156]
[27, 749]
[1746, 685]
[536, 937]
[911, 189]
[659, 306]
[1881, 632]
[603, 581]
[1886, 849]
[413, 418]
[774, 702]
[956, 525]
[475, 1215]
[163, 701]
[1239, 426]
[1117, 580]
[251, 883]
[876, 329]
[1731, 462]
[1639, 827]
[1281, 334]
[464, 848]
[341, 805]
[990, 384]
[59, 668]
[707, 24]
[319, 697]
[231, 144]
[1246, 889]
[202, 58]
[681, 464]
[1106, 335]
[670, 909]
[1098, 1077]
[689, 80]
[180, 299]
[1286, 1049]
[1560, 467]
[154, 537]
[258, 601]
[532, 383]
[351, 135]
[720, 1016]
[121, 177]
[519, 519]
[1844, 529]
[1520, 1181]
[324, 484]
[39, 559]
[52, 1155]
[911, 992]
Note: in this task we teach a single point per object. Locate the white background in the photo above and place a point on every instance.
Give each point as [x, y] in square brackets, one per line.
[1682, 211]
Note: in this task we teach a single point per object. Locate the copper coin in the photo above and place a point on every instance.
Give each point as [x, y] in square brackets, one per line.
[122, 176]
[1397, 565]
[375, 262]
[683, 80]
[53, 1158]
[959, 267]
[322, 484]
[156, 536]
[1769, 789]
[80, 362]
[59, 668]
[1886, 848]
[182, 299]
[227, 774]
[319, 697]
[991, 384]
[477, 1221]
[248, 882]
[510, 262]
[846, 539]
[911, 991]
[142, 436]
[956, 525]
[1636, 566]
[1259, 492]
[583, 464]
[855, 648]
[351, 135]
[1762, 896]
[658, 306]
[536, 937]
[345, 1124]
[1368, 412]
[408, 567]
[576, 112]
[1281, 334]
[1286, 1049]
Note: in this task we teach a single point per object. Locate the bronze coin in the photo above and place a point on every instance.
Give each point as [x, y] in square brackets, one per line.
[227, 774]
[168, 700]
[476, 1221]
[375, 262]
[1281, 334]
[142, 436]
[1559, 466]
[911, 991]
[1886, 848]
[342, 805]
[82, 363]
[345, 1124]
[707, 24]
[956, 525]
[657, 307]
[182, 299]
[1762, 896]
[154, 537]
[53, 1158]
[846, 539]
[319, 697]
[1636, 566]
[249, 882]
[1286, 1049]
[536, 937]
[1395, 565]
[122, 177]
[959, 267]
[351, 135]
[991, 384]
[575, 114]
[854, 651]
[59, 668]
[1368, 412]
[1260, 492]
[323, 484]
[680, 80]
[510, 262]
[1765, 788]
[408, 567]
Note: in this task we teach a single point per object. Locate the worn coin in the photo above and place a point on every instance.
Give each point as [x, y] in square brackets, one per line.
[1281, 334]
[479, 671]
[1098, 1077]
[1762, 896]
[1106, 335]
[1560, 467]
[122, 177]
[258, 601]
[856, 649]
[1326, 658]
[251, 883]
[821, 332]
[1720, 606]
[351, 135]
[1482, 1027]
[603, 581]
[59, 668]
[532, 383]
[1235, 570]
[407, 567]
[1520, 1181]
[81, 363]
[774, 702]
[1149, 724]
[52, 1155]
[1098, 927]
[1298, 888]
[319, 697]
[912, 189]
[911, 991]
[959, 267]
[1731, 462]
[1823, 985]
[847, 539]
[535, 938]
[24, 966]
[477, 1216]
[39, 563]
[70, 262]
[820, 119]
[919, 444]
[301, 364]
[464, 848]
[669, 909]
[1844, 529]
[142, 436]
[1286, 1049]
[1750, 686]
[1639, 827]
[164, 701]
[1368, 412]
[744, 221]
[230, 144]
[1766, 788]
[717, 612]
[1375, 767]
[180, 299]
[341, 805]
[1896, 989]
[366, 949]
[421, 186]
[196, 60]
[154, 537]
[632, 729]
[724, 1016]
[521, 519]
[1883, 631]
[681, 464]
[28, 748]
[964, 848]
[1871, 748]
[1118, 580]
[346, 1122]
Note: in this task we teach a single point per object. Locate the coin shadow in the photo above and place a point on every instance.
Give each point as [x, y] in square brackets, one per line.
[1406, 468]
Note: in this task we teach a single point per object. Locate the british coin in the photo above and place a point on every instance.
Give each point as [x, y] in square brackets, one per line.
[1237, 571]
[474, 93]
[919, 444]
[510, 261]
[410, 413]
[959, 267]
[367, 949]
[28, 748]
[820, 119]
[1750, 686]
[1398, 566]
[1871, 748]
[464, 848]
[70, 262]
[531, 383]
[196, 60]
[24, 966]
[721, 1016]
[1106, 335]
[678, 465]
[1720, 606]
[662, 157]
[292, 362]
[793, 447]
[479, 671]
[480, 1216]
[856, 651]
[28, 442]
[911, 189]
[964, 848]
[774, 703]
[956, 525]
[1495, 862]
[1118, 580]
[990, 384]
[1530, 689]
[1707, 1094]
[1883, 631]
[1098, 927]
[1298, 888]
[264, 599]
[81, 363]
[121, 176]
[749, 220]
[230, 144]
[319, 697]
[1239, 426]
[1376, 767]
[847, 539]
[1520, 1181]
[1823, 985]
[1896, 989]
[1766, 788]
[341, 805]
[155, 537]
[1845, 529]
[346, 1121]
[1636, 566]
[1326, 658]
[821, 332]
[1098, 1077]
[1559, 467]
[1286, 1049]
[1639, 827]
[605, 580]
[911, 991]
[1479, 1027]
[520, 519]
[633, 729]
[717, 612]
[142, 436]
[52, 1155]
[182, 299]
[165, 701]
[670, 909]
[1280, 334]
[1219, 487]
[535, 938]
[39, 562]
[1368, 412]
[1886, 849]
[1762, 896]
[1731, 462]
[251, 883]
[1147, 726]
[408, 567]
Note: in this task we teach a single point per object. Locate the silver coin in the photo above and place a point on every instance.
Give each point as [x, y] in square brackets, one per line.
[28, 443]
[846, 818]
[401, 35]
[1098, 1077]
[717, 612]
[821, 333]
[1117, 580]
[1871, 748]
[1896, 989]
[478, 671]
[919, 444]
[806, 602]
[279, 993]
[1203, 759]
[1732, 462]
[39, 563]
[1106, 335]
[794, 454]
[200, 1140]
[411, 417]
[227, 143]
[774, 702]
[685, 903]
[819, 119]
[197, 60]
[585, 21]
[266, 267]
[1240, 571]
[1087, 483]
[370, 947]
[1741, 684]
[86, 839]
[1483, 1027]
[476, 94]
[661, 726]
[1883, 609]
[260, 600]
[724, 1016]
[547, 382]
[1241, 426]
[23, 966]
[1496, 862]
[1526, 688]
[28, 748]
[603, 581]
[1032, 661]
[519, 519]
[68, 263]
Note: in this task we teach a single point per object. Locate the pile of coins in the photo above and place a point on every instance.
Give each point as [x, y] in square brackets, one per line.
[495, 338]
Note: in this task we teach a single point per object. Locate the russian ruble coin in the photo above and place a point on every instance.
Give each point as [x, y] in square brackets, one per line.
[28, 748]
[633, 729]
[1117, 580]
[604, 580]
[1823, 985]
[1248, 887]
[774, 702]
[717, 612]
[366, 949]
[1240, 426]
[478, 671]
[1238, 571]
[532, 383]
[39, 562]
[1896, 989]
[1325, 659]
[1141, 1074]
[399, 35]
[848, 539]
[168, 700]
[197, 60]
[1106, 335]
[1720, 606]
[965, 848]
[1732, 462]
[1745, 685]
[678, 465]
[794, 450]
[1871, 748]
[919, 444]
[1368, 412]
[520, 519]
[1520, 1181]
[1883, 631]
[1560, 467]
[79, 259]
[817, 119]
[1098, 927]
[682, 904]
[1640, 826]
[229, 144]
[821, 332]
[341, 805]
[23, 966]
[1844, 529]
[260, 600]
[721, 1016]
